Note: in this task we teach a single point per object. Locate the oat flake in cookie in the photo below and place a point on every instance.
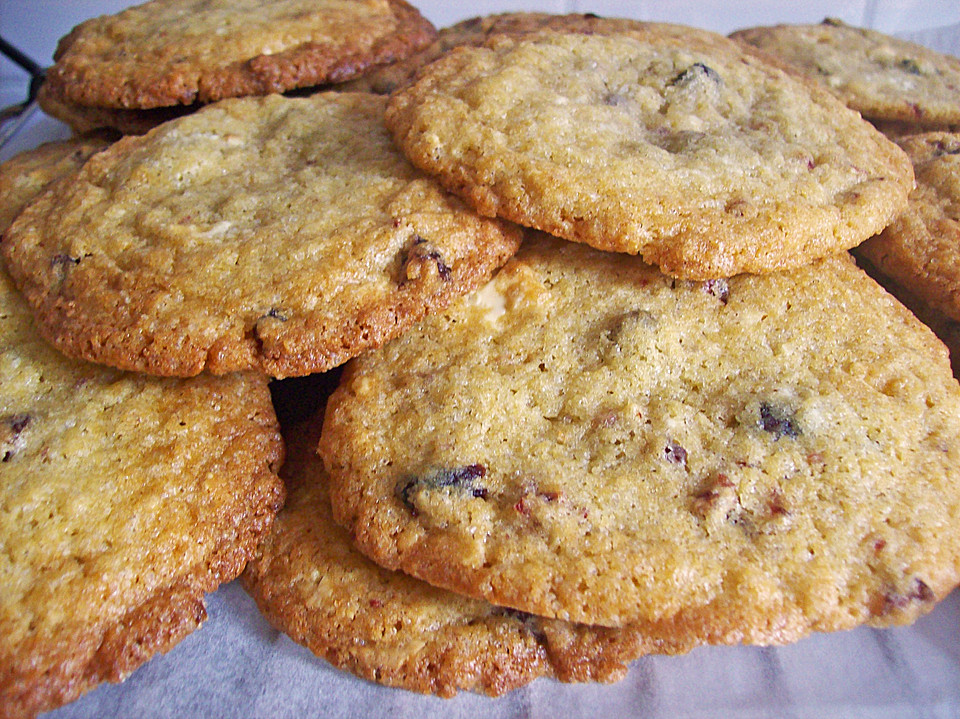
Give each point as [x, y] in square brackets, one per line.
[664, 141]
[178, 52]
[752, 459]
[896, 84]
[280, 234]
[311, 583]
[123, 498]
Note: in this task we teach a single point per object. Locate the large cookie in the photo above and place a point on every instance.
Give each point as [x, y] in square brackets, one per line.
[752, 459]
[123, 500]
[273, 233]
[388, 627]
[664, 141]
[891, 81]
[180, 52]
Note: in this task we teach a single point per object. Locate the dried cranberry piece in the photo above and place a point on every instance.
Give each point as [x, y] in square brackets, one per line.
[696, 72]
[422, 249]
[461, 478]
[675, 454]
[718, 288]
[776, 421]
[10, 431]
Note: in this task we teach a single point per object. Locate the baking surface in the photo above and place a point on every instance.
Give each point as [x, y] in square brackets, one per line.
[236, 665]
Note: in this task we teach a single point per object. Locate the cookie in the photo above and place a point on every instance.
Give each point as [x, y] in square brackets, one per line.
[181, 52]
[892, 81]
[385, 79]
[26, 175]
[663, 141]
[387, 627]
[279, 234]
[753, 458]
[920, 250]
[82, 118]
[123, 500]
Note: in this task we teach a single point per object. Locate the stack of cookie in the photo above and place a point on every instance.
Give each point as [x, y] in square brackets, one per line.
[676, 413]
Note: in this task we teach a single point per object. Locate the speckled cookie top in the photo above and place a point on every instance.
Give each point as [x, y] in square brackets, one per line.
[588, 439]
[385, 626]
[921, 248]
[177, 52]
[26, 175]
[272, 233]
[883, 77]
[663, 141]
[474, 31]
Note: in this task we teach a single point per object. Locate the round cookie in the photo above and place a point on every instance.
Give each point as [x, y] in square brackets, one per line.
[26, 175]
[664, 141]
[280, 234]
[123, 500]
[752, 459]
[893, 82]
[181, 52]
[387, 627]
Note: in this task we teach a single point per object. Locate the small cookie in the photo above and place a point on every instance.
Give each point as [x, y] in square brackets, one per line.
[886, 79]
[663, 141]
[26, 175]
[123, 500]
[83, 118]
[474, 31]
[920, 250]
[280, 234]
[181, 52]
[753, 459]
[388, 627]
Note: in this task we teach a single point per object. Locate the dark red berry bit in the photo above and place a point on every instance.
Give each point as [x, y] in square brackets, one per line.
[675, 454]
[465, 479]
[423, 250]
[10, 430]
[719, 289]
[776, 421]
[695, 73]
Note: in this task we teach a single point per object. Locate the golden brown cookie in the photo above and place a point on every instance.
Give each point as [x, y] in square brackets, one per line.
[280, 234]
[123, 499]
[752, 459]
[181, 52]
[387, 627]
[896, 83]
[664, 141]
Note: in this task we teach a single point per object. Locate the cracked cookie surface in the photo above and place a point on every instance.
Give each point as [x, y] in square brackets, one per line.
[278, 234]
[660, 140]
[180, 52]
[753, 458]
